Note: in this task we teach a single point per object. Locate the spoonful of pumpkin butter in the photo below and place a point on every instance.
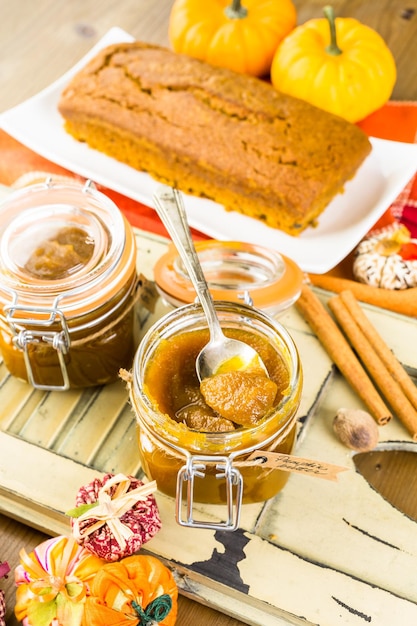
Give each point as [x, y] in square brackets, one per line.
[239, 372]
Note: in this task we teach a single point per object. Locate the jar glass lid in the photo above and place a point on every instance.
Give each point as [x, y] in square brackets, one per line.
[62, 242]
[235, 272]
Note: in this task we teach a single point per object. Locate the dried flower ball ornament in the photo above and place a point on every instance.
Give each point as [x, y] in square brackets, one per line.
[53, 582]
[387, 258]
[2, 609]
[115, 516]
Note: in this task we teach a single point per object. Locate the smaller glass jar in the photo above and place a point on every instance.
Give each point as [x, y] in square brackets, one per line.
[68, 285]
[235, 272]
[211, 467]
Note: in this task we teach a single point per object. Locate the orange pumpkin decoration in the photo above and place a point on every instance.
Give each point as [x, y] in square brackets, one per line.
[228, 33]
[135, 591]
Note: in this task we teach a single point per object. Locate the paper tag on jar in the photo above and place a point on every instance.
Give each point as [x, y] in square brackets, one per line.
[289, 463]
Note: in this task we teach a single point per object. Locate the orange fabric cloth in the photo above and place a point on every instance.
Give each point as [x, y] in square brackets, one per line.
[396, 121]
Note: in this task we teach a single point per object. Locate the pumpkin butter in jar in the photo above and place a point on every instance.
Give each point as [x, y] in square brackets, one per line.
[68, 286]
[195, 439]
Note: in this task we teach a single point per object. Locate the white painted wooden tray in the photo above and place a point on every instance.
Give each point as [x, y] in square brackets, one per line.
[322, 553]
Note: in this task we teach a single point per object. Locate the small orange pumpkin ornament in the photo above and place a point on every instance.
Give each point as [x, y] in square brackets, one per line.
[339, 65]
[136, 591]
[228, 34]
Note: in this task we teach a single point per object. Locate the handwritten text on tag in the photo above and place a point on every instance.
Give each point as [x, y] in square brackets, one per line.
[289, 463]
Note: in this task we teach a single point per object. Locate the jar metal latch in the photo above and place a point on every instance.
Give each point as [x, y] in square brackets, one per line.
[58, 339]
[195, 467]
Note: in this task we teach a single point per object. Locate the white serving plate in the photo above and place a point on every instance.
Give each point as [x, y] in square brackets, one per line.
[37, 124]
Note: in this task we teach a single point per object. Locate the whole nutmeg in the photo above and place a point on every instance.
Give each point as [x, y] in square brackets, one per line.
[356, 429]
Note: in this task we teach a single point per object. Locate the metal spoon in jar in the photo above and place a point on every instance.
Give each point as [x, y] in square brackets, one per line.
[221, 353]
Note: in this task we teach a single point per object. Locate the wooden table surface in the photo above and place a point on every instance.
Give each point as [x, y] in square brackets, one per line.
[41, 40]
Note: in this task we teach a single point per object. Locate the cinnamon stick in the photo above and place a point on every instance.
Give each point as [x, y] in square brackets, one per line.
[384, 352]
[341, 353]
[380, 363]
[402, 301]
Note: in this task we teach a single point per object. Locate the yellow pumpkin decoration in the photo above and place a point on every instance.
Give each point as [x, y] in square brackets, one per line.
[339, 65]
[227, 34]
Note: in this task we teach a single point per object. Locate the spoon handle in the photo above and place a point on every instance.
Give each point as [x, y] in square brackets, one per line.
[170, 208]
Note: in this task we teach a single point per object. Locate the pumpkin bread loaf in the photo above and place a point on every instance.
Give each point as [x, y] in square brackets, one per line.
[213, 133]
